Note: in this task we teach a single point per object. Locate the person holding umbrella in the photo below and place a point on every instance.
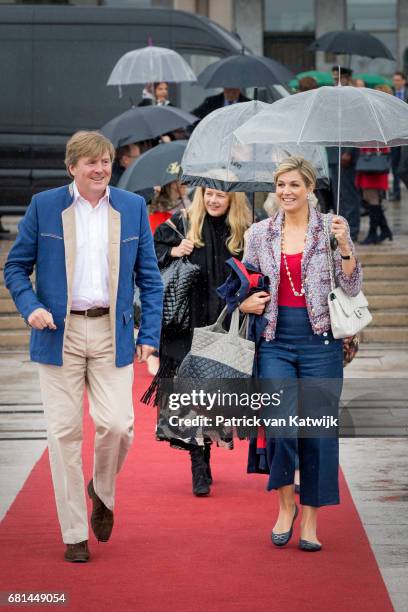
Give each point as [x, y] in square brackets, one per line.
[124, 156]
[168, 200]
[237, 72]
[344, 74]
[230, 95]
[350, 200]
[374, 186]
[291, 249]
[160, 96]
[401, 92]
[216, 223]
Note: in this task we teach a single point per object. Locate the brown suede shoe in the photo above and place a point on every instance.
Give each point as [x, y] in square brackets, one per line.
[77, 553]
[101, 517]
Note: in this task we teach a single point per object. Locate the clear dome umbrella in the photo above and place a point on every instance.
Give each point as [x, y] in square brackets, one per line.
[215, 158]
[151, 64]
[330, 116]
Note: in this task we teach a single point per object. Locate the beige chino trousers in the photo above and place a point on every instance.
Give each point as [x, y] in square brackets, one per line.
[88, 363]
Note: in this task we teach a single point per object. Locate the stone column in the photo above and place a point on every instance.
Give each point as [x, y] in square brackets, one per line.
[249, 23]
[222, 12]
[185, 5]
[402, 35]
[330, 15]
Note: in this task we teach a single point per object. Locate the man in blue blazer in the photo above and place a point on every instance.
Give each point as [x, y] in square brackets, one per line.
[89, 245]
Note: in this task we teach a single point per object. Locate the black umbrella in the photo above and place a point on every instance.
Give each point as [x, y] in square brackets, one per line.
[352, 42]
[144, 123]
[243, 71]
[158, 166]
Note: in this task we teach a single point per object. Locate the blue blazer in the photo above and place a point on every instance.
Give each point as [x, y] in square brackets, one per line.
[46, 241]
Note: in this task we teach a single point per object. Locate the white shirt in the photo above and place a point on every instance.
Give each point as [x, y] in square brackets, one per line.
[91, 274]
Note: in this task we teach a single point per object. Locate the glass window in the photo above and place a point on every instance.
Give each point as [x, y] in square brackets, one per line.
[372, 14]
[289, 16]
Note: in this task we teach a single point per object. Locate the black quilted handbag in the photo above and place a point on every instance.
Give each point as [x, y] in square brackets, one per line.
[178, 280]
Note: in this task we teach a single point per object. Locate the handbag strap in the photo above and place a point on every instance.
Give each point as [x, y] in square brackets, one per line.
[235, 329]
[329, 251]
[244, 329]
[174, 228]
[234, 325]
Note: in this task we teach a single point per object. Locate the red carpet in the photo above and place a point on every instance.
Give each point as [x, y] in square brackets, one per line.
[171, 551]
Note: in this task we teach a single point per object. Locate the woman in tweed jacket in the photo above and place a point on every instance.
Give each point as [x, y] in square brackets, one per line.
[297, 342]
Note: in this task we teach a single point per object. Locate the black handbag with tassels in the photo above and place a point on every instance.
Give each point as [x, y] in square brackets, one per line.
[179, 277]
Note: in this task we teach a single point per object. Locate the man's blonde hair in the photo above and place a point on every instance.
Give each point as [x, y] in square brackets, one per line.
[87, 144]
[238, 219]
[298, 164]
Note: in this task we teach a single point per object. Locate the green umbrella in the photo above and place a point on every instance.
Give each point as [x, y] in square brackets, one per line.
[371, 80]
[321, 78]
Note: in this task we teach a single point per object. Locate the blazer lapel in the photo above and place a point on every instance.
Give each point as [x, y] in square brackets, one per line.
[69, 232]
[312, 238]
[114, 263]
[275, 239]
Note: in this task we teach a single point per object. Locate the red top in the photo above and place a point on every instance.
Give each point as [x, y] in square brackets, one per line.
[285, 292]
[157, 218]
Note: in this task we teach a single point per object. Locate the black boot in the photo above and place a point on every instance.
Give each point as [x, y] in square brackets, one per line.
[385, 229]
[364, 208]
[371, 237]
[207, 456]
[201, 486]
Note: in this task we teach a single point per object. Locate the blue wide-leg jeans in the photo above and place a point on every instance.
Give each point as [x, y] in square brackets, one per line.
[298, 353]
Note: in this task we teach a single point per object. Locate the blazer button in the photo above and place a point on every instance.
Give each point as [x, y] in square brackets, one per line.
[324, 333]
[326, 342]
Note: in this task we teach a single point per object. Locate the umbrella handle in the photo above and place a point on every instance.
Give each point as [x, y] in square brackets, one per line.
[338, 182]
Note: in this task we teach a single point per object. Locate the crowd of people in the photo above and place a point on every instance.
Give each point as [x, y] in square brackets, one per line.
[363, 192]
[81, 311]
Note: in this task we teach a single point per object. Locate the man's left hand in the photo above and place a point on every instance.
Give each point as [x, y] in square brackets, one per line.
[340, 232]
[143, 351]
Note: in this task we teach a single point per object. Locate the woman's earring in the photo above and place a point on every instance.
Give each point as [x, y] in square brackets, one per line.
[309, 197]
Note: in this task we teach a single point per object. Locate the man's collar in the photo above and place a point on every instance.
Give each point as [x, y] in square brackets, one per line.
[76, 195]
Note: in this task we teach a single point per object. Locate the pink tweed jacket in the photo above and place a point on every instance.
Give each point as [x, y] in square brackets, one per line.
[264, 251]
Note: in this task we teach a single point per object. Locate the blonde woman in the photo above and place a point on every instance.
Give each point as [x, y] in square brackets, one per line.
[216, 223]
[297, 343]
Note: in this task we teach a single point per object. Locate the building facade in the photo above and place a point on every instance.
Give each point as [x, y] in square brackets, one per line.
[284, 29]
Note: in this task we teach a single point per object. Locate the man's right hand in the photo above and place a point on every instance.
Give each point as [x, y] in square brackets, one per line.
[40, 319]
[184, 248]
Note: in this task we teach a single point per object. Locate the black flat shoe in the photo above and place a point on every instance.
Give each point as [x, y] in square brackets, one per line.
[309, 546]
[280, 539]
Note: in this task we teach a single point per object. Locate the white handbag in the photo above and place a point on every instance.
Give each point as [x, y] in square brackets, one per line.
[348, 315]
